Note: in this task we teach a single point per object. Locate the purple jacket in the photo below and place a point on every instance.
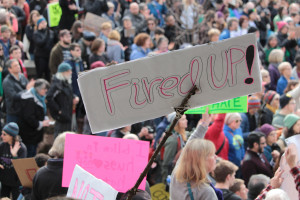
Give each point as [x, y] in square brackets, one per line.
[274, 75]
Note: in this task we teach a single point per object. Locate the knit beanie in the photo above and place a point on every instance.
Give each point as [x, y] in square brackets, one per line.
[11, 129]
[267, 129]
[281, 24]
[253, 102]
[4, 28]
[290, 120]
[268, 97]
[39, 21]
[284, 100]
[63, 67]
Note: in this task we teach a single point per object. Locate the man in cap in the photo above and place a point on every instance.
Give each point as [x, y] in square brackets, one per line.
[85, 44]
[60, 98]
[287, 106]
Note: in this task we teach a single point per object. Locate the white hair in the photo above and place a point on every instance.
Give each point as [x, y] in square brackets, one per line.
[277, 194]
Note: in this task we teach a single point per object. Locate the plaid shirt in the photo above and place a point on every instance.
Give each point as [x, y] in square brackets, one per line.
[296, 174]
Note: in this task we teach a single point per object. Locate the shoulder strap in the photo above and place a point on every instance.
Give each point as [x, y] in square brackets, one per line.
[221, 147]
[190, 191]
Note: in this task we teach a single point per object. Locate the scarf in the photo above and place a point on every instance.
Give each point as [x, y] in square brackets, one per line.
[40, 98]
[271, 108]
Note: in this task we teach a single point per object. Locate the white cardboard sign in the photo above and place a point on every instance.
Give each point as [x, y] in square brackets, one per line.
[288, 184]
[87, 187]
[151, 87]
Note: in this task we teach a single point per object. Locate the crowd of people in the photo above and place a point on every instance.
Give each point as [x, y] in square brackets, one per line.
[223, 156]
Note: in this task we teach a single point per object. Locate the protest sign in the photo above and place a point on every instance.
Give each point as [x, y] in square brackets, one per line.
[239, 104]
[54, 14]
[118, 162]
[288, 184]
[93, 23]
[26, 169]
[86, 186]
[151, 87]
[158, 192]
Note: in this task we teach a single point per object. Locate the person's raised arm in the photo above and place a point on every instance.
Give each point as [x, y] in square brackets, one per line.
[201, 127]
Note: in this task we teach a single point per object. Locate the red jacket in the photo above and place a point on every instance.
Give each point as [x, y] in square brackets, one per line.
[216, 135]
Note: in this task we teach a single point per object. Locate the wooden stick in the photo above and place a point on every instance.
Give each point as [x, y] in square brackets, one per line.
[179, 112]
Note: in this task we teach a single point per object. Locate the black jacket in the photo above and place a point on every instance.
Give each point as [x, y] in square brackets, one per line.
[8, 175]
[47, 181]
[96, 7]
[44, 41]
[60, 98]
[12, 89]
[67, 18]
[30, 119]
[38, 5]
[265, 116]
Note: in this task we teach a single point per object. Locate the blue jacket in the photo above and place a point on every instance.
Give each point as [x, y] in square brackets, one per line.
[281, 84]
[75, 87]
[5, 48]
[160, 129]
[138, 52]
[225, 34]
[158, 11]
[268, 152]
[236, 145]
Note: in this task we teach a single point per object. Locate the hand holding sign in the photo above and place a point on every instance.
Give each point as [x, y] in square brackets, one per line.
[291, 156]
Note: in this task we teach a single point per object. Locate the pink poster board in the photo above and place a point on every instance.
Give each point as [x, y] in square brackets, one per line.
[118, 162]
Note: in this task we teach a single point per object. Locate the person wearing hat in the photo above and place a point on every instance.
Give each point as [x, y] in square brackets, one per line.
[4, 40]
[61, 99]
[250, 119]
[287, 106]
[291, 128]
[85, 44]
[270, 105]
[43, 39]
[271, 150]
[282, 34]
[11, 147]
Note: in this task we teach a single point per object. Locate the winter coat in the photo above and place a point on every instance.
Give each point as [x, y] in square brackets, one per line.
[274, 75]
[31, 117]
[75, 86]
[115, 51]
[60, 98]
[96, 7]
[252, 164]
[47, 181]
[44, 41]
[138, 52]
[57, 57]
[12, 89]
[266, 116]
[236, 144]
[8, 175]
[216, 135]
[68, 16]
[138, 21]
[94, 58]
[29, 31]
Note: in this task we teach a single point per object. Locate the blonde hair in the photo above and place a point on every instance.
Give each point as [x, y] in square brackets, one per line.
[114, 35]
[57, 150]
[105, 26]
[276, 56]
[264, 72]
[212, 32]
[230, 117]
[191, 165]
[283, 66]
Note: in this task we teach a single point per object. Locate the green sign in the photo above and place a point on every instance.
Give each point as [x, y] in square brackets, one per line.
[238, 105]
[54, 14]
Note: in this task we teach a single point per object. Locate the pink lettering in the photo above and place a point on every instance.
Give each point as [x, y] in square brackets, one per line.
[196, 67]
[135, 91]
[166, 85]
[108, 87]
[233, 80]
[148, 88]
[85, 192]
[97, 195]
[75, 189]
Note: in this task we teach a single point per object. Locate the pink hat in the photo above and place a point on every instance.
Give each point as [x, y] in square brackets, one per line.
[97, 64]
[281, 24]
